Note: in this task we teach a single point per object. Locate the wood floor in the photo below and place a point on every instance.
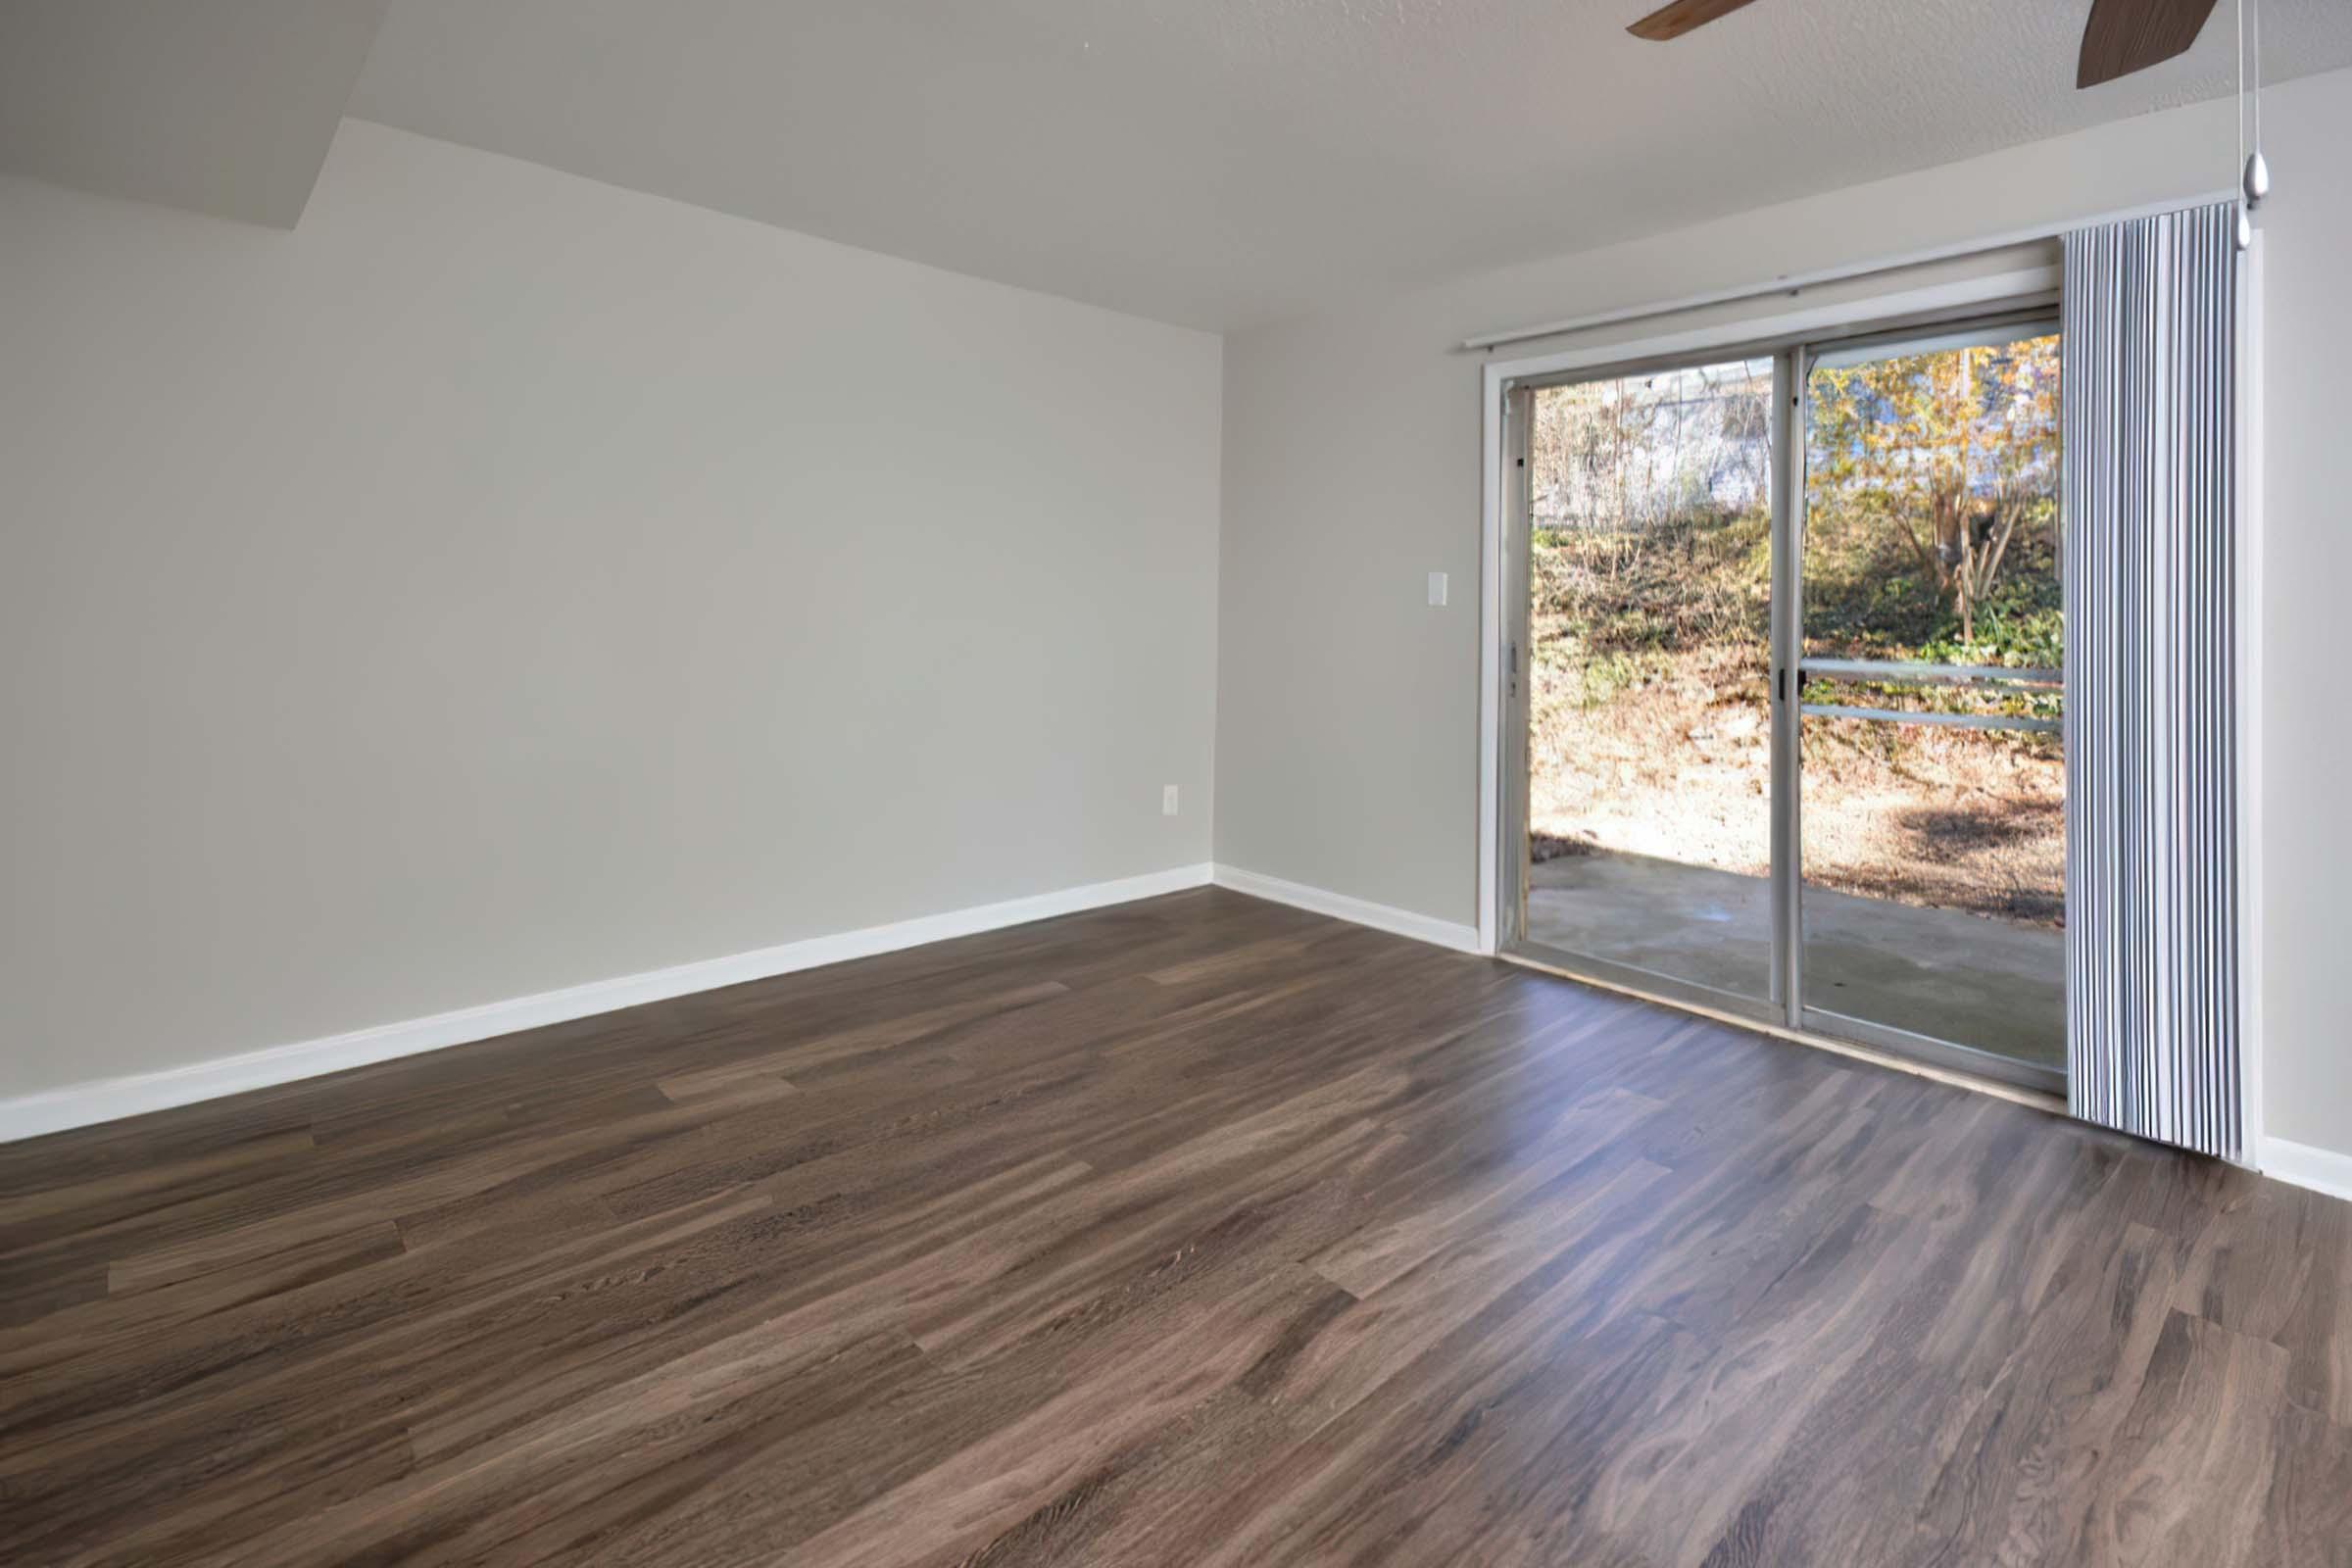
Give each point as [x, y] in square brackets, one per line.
[1197, 1231]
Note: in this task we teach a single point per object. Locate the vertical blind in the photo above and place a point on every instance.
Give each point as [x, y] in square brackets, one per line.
[2149, 487]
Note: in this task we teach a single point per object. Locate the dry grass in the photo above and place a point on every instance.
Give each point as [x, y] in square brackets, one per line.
[1651, 735]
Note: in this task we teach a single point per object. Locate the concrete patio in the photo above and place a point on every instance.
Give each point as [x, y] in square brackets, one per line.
[1989, 984]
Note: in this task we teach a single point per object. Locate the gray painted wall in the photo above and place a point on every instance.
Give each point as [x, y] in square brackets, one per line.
[505, 581]
[226, 107]
[1347, 709]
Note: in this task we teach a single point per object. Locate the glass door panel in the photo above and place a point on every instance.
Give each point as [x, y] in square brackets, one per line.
[1932, 805]
[1648, 852]
[1786, 686]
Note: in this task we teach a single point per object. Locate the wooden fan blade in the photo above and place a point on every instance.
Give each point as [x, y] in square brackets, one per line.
[2127, 35]
[1671, 21]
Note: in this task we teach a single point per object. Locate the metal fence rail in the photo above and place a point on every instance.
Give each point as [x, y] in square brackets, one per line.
[1898, 671]
[1897, 715]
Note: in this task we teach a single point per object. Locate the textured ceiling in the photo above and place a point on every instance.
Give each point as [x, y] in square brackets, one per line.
[1219, 163]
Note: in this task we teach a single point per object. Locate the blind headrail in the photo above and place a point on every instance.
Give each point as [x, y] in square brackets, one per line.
[1798, 282]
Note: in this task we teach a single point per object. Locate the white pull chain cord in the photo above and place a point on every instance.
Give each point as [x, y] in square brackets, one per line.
[2258, 167]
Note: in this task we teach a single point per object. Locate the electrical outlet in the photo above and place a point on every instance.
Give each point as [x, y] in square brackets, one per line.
[1167, 800]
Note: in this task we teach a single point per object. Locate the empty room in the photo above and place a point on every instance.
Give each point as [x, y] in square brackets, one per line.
[868, 782]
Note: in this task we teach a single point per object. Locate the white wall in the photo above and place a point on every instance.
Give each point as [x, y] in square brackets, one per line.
[1347, 709]
[505, 581]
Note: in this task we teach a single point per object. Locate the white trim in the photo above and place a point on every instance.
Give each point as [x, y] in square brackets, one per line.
[1493, 594]
[1790, 326]
[1797, 282]
[1359, 911]
[109, 1099]
[2323, 1170]
[2250, 936]
[1492, 573]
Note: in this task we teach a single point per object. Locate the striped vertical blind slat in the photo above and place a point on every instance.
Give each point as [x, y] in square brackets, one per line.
[2148, 492]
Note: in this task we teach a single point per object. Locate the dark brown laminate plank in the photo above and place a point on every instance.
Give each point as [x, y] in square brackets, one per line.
[1197, 1230]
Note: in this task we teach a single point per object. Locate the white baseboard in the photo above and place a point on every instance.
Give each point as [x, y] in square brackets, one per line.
[1340, 907]
[2323, 1170]
[109, 1099]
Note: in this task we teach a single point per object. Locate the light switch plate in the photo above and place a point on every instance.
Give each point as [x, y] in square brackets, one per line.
[1437, 588]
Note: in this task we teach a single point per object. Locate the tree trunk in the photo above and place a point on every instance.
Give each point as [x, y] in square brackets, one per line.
[1968, 575]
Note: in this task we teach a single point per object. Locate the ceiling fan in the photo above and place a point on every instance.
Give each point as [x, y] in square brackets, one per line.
[2123, 35]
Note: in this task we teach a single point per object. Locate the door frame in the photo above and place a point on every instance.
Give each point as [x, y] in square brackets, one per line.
[1785, 338]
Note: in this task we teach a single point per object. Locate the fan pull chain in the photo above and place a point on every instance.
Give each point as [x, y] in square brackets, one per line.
[2258, 169]
[2255, 181]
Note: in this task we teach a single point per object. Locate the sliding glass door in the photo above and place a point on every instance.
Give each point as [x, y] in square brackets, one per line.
[1934, 794]
[1784, 688]
[1644, 704]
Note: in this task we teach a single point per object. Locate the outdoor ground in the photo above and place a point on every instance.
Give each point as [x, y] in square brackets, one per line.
[1651, 735]
[1991, 984]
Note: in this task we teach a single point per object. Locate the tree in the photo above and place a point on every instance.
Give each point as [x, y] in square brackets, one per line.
[1956, 450]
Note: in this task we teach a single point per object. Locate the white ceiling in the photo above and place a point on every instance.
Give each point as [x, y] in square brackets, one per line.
[1215, 162]
[223, 106]
[1218, 163]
